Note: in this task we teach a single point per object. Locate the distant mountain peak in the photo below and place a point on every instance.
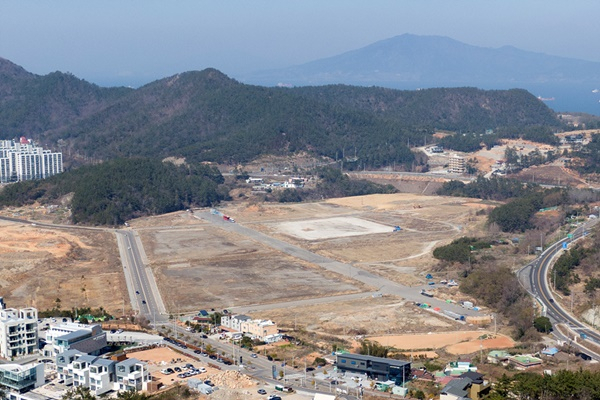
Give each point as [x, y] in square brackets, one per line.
[410, 61]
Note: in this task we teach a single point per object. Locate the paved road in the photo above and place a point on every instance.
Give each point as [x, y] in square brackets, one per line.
[381, 284]
[143, 292]
[536, 280]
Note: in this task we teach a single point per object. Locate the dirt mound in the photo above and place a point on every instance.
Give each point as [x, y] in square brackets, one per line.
[232, 380]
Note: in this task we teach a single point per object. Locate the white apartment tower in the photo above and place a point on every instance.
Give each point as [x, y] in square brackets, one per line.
[18, 331]
[22, 161]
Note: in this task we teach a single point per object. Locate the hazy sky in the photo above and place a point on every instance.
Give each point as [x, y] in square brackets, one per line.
[131, 42]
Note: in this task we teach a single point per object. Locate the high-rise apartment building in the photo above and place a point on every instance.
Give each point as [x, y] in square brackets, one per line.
[22, 160]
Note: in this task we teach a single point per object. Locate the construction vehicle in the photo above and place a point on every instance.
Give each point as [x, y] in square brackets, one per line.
[397, 229]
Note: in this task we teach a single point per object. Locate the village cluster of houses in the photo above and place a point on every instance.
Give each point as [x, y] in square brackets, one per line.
[259, 184]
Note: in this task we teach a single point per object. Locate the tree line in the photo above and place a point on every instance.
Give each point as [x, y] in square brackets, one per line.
[115, 191]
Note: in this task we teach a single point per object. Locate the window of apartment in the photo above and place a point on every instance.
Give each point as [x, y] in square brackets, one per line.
[353, 362]
[121, 368]
[343, 361]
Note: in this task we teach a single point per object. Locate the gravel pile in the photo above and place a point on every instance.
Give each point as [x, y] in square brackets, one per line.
[233, 380]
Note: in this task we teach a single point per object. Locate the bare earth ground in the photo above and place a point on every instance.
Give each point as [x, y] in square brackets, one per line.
[378, 315]
[206, 267]
[465, 342]
[81, 268]
[198, 265]
[426, 222]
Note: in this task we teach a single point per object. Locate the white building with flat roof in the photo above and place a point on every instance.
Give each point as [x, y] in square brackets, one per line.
[60, 337]
[18, 331]
[22, 160]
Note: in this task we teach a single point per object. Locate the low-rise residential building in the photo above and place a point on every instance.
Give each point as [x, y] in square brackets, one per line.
[90, 339]
[234, 322]
[524, 361]
[497, 356]
[456, 164]
[263, 330]
[101, 375]
[132, 374]
[382, 369]
[18, 331]
[469, 385]
[21, 378]
[459, 367]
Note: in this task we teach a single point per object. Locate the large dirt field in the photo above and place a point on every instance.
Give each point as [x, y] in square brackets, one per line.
[426, 222]
[200, 265]
[379, 315]
[81, 268]
[465, 342]
[207, 267]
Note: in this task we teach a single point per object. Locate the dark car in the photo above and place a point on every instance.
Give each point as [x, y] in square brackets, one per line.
[209, 383]
[137, 292]
[177, 369]
[143, 301]
[212, 357]
[309, 369]
[198, 351]
[262, 391]
[269, 358]
[204, 336]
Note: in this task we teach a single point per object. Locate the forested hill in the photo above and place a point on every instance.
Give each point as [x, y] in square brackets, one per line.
[206, 116]
[31, 104]
[467, 109]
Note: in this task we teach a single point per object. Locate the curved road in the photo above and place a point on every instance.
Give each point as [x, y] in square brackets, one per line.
[536, 277]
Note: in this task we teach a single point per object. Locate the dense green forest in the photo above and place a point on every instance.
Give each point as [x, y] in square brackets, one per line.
[121, 189]
[206, 116]
[494, 188]
[460, 249]
[564, 384]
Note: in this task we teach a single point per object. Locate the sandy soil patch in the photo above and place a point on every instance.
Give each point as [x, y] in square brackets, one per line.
[497, 342]
[81, 268]
[458, 342]
[331, 228]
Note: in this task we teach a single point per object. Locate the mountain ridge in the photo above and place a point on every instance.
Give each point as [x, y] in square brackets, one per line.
[208, 116]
